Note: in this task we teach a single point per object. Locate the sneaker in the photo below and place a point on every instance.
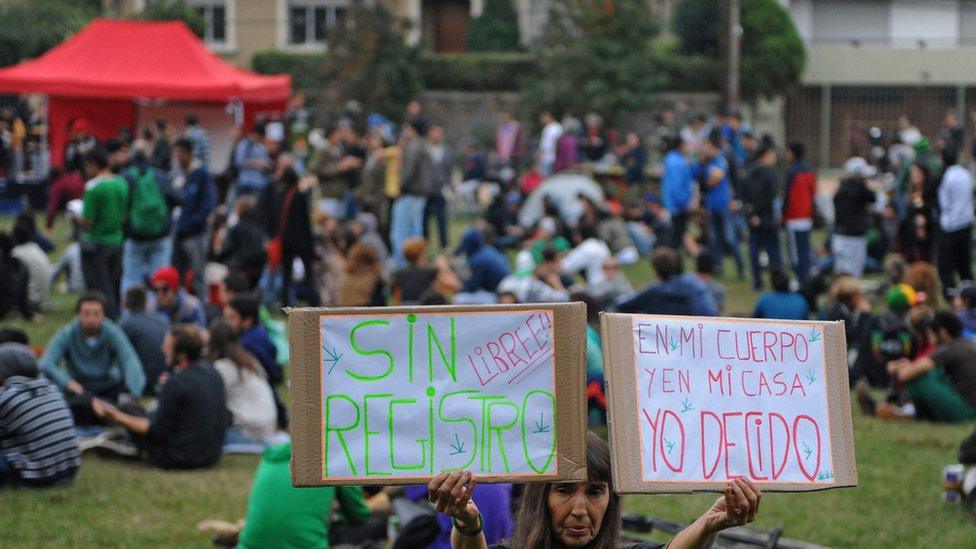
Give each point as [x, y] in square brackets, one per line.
[863, 392]
[120, 446]
[92, 441]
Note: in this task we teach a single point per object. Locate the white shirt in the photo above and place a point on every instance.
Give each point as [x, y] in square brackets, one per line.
[249, 398]
[589, 257]
[956, 199]
[547, 143]
[39, 271]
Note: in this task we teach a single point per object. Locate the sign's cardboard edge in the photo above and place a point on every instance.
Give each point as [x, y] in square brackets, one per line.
[620, 374]
[306, 392]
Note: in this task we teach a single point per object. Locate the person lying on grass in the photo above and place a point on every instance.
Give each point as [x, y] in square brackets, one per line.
[584, 514]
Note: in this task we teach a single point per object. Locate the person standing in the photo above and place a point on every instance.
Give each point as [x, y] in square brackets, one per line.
[102, 218]
[289, 219]
[758, 198]
[713, 173]
[551, 132]
[148, 245]
[851, 202]
[956, 221]
[441, 165]
[677, 188]
[508, 140]
[252, 162]
[798, 207]
[199, 138]
[407, 217]
[198, 198]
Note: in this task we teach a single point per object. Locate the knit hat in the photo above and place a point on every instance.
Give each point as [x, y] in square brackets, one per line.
[901, 297]
[168, 276]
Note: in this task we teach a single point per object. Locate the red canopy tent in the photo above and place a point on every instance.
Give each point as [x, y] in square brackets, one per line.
[109, 68]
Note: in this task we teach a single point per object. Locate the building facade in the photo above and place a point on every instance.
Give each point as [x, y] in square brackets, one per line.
[871, 61]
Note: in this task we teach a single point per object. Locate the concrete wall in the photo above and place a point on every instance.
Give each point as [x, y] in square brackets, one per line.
[475, 113]
[870, 65]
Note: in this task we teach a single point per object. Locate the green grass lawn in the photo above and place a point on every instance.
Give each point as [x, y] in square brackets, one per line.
[115, 502]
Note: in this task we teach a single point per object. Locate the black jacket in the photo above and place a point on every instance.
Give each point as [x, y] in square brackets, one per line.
[759, 194]
[851, 207]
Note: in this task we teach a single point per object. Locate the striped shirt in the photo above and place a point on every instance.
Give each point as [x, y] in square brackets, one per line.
[37, 436]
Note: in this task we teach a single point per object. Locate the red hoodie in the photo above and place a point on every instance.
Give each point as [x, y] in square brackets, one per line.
[801, 186]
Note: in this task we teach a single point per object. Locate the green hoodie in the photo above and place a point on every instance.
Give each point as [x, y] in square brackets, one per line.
[280, 515]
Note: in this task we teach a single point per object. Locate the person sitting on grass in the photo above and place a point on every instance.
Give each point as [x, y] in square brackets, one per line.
[582, 514]
[942, 385]
[280, 515]
[187, 430]
[781, 303]
[249, 397]
[173, 301]
[243, 314]
[96, 357]
[145, 330]
[677, 293]
[37, 437]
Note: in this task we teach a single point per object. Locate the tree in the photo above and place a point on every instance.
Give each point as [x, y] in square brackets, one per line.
[772, 50]
[598, 56]
[28, 29]
[496, 29]
[369, 61]
[168, 10]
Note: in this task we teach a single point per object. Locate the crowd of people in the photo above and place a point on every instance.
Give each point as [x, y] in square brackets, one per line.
[177, 353]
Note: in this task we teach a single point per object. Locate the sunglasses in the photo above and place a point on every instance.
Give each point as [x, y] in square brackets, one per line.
[161, 289]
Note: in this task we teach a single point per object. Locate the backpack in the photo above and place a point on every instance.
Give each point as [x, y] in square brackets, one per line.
[148, 214]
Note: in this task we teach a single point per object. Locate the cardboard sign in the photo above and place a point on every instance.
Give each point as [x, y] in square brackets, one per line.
[708, 399]
[397, 395]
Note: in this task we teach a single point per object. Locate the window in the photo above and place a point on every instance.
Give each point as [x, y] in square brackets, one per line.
[215, 18]
[310, 21]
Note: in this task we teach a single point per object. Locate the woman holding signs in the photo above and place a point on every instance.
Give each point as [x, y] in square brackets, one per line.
[584, 514]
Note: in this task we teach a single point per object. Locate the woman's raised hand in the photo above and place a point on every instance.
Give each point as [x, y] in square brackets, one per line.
[737, 506]
[450, 492]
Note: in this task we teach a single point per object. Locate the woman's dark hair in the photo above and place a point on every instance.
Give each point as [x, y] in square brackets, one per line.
[948, 321]
[592, 307]
[289, 177]
[779, 279]
[533, 525]
[224, 343]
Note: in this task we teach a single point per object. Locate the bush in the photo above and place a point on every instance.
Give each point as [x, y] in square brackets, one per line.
[28, 28]
[477, 71]
[597, 56]
[168, 10]
[772, 50]
[301, 66]
[496, 29]
[368, 61]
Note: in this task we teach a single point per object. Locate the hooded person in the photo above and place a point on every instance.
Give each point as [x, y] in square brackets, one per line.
[487, 266]
[37, 437]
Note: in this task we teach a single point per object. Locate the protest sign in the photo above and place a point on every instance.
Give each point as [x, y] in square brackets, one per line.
[708, 399]
[395, 395]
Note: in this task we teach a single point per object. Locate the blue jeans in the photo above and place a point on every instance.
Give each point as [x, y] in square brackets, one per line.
[140, 259]
[798, 243]
[407, 221]
[763, 238]
[722, 238]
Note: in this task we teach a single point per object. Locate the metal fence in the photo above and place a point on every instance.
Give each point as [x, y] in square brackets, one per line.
[837, 128]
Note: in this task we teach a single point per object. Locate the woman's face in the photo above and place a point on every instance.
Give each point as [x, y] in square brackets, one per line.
[918, 176]
[577, 511]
